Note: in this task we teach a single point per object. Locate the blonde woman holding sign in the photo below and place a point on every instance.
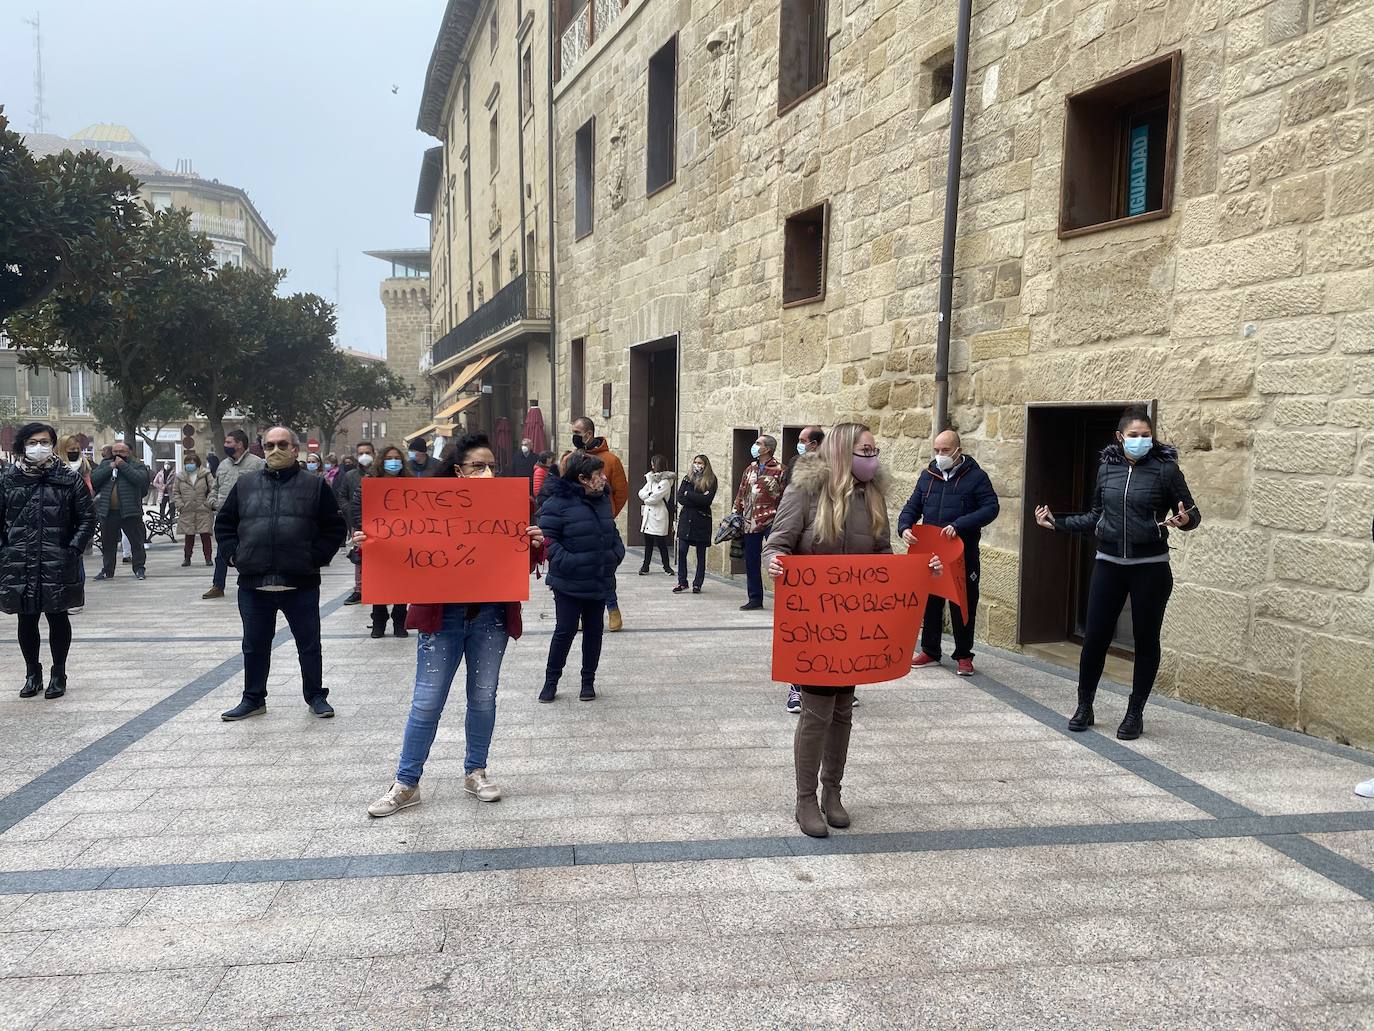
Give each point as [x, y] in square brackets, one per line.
[450, 635]
[834, 506]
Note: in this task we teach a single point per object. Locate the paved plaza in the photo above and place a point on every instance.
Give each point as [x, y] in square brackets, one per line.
[161, 868]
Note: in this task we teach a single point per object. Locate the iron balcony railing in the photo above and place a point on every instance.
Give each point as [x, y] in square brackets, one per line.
[526, 297]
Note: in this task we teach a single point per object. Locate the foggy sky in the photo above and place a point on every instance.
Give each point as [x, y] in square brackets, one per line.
[290, 100]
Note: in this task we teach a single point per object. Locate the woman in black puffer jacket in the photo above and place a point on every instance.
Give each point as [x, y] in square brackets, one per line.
[1141, 494]
[694, 497]
[584, 550]
[47, 518]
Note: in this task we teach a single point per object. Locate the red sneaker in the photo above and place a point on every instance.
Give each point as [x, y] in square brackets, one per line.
[922, 659]
[965, 668]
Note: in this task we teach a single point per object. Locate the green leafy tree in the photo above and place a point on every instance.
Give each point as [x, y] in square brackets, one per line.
[233, 313]
[162, 411]
[138, 332]
[62, 221]
[344, 385]
[298, 341]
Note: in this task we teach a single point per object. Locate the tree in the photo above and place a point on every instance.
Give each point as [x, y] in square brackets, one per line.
[61, 221]
[162, 411]
[138, 332]
[232, 310]
[298, 341]
[345, 385]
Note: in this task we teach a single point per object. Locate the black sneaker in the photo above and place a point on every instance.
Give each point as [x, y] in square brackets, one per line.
[321, 708]
[356, 598]
[140, 574]
[750, 606]
[1131, 727]
[1082, 718]
[243, 710]
[102, 575]
[57, 686]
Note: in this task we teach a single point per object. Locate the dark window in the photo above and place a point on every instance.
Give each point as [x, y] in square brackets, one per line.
[662, 156]
[526, 83]
[577, 378]
[531, 257]
[804, 254]
[941, 78]
[467, 192]
[495, 142]
[495, 28]
[801, 50]
[584, 214]
[1119, 141]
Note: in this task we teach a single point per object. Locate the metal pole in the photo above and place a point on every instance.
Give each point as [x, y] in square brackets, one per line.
[956, 156]
[553, 247]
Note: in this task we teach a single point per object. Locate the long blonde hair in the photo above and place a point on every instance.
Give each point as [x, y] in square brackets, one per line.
[707, 482]
[832, 507]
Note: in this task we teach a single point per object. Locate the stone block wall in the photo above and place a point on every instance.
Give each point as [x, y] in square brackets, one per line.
[1247, 315]
[406, 300]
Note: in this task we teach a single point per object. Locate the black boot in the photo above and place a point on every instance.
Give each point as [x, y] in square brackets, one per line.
[379, 620]
[398, 628]
[57, 685]
[32, 682]
[549, 693]
[1133, 725]
[1082, 717]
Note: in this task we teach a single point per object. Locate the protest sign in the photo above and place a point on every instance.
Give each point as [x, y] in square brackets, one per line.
[844, 620]
[445, 540]
[953, 584]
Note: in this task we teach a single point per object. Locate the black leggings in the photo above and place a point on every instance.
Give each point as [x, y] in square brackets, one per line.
[59, 640]
[1148, 586]
[569, 610]
[650, 543]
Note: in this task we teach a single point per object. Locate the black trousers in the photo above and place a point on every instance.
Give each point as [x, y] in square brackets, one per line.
[962, 622]
[1148, 586]
[650, 543]
[302, 611]
[59, 640]
[682, 548]
[110, 529]
[568, 610]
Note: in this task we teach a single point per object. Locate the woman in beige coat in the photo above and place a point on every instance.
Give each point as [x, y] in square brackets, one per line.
[836, 504]
[194, 515]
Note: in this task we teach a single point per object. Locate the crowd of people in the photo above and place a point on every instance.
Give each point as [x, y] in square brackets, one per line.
[280, 517]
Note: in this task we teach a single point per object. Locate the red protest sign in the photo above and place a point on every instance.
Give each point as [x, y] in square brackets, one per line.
[445, 540]
[845, 620]
[952, 584]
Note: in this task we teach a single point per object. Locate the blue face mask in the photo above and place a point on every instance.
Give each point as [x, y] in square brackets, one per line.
[312, 466]
[1138, 447]
[754, 451]
[328, 466]
[190, 468]
[392, 465]
[410, 455]
[801, 447]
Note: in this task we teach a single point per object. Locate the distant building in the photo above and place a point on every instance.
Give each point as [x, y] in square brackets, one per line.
[405, 295]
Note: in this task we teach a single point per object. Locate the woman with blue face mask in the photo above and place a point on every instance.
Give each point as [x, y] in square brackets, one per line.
[390, 461]
[1140, 496]
[191, 490]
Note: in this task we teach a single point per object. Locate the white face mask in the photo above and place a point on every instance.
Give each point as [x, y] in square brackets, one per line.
[37, 452]
[75, 466]
[364, 460]
[946, 462]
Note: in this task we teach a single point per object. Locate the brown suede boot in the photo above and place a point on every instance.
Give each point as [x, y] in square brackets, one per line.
[806, 756]
[833, 757]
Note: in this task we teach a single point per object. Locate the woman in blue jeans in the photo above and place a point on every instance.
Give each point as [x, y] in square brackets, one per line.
[449, 635]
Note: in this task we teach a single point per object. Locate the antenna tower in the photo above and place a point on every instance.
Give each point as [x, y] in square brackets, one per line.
[37, 112]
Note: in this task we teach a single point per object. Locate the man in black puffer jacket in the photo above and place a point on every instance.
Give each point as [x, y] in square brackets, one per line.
[954, 494]
[279, 527]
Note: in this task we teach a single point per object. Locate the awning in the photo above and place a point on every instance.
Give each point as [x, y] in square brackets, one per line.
[468, 374]
[444, 429]
[420, 432]
[462, 404]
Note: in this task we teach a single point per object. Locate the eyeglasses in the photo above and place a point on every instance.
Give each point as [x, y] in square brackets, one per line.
[477, 467]
[867, 452]
[277, 445]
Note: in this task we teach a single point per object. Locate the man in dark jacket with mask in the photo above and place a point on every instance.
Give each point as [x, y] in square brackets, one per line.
[278, 527]
[119, 483]
[954, 494]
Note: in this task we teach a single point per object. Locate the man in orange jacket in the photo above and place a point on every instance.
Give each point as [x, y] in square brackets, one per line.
[584, 438]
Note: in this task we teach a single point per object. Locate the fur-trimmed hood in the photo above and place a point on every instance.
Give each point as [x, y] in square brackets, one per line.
[1113, 454]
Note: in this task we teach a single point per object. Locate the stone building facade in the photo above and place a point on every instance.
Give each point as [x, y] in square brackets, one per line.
[485, 190]
[405, 296]
[1230, 286]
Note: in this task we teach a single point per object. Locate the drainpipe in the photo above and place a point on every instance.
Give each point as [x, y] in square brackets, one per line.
[520, 135]
[553, 247]
[467, 189]
[956, 156]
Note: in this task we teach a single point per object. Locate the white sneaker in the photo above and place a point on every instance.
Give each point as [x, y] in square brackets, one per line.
[478, 783]
[398, 798]
[1366, 789]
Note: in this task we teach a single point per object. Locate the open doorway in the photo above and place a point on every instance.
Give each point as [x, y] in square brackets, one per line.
[741, 444]
[1063, 445]
[653, 418]
[787, 447]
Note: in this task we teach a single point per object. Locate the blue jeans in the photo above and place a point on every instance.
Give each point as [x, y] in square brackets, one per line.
[480, 639]
[753, 564]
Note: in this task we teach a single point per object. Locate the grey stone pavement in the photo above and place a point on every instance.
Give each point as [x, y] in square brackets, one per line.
[160, 868]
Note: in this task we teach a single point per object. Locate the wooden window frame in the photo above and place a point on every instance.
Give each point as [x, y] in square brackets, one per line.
[649, 188]
[1174, 60]
[824, 57]
[798, 302]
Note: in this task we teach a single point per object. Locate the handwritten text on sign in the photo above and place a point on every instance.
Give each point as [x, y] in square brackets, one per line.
[445, 540]
[844, 620]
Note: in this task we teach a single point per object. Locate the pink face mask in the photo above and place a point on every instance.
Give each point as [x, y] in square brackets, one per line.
[864, 467]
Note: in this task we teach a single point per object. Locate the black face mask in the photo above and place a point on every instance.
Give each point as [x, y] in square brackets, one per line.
[230, 451]
[579, 442]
